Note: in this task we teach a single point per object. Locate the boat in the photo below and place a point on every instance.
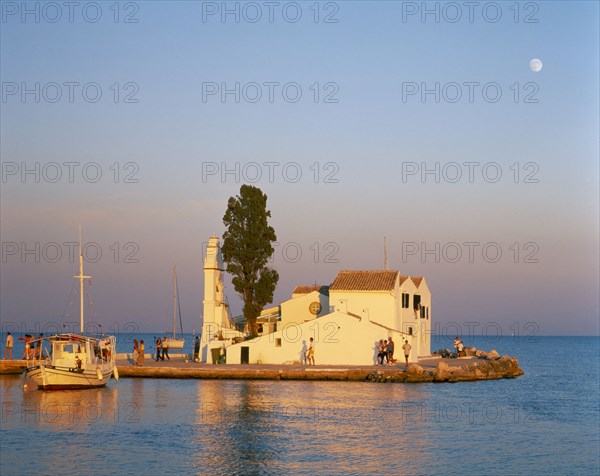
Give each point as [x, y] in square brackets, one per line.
[75, 361]
[176, 342]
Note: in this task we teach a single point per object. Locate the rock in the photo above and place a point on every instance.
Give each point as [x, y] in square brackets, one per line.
[443, 366]
[373, 376]
[470, 351]
[415, 369]
[481, 354]
[461, 374]
[493, 355]
[479, 375]
[440, 375]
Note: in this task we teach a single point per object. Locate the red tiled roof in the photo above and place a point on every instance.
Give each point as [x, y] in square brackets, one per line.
[402, 279]
[309, 289]
[365, 281]
[417, 280]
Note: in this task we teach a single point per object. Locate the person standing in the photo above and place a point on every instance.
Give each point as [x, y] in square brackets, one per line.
[197, 349]
[8, 348]
[460, 349]
[406, 348]
[27, 352]
[165, 349]
[390, 350]
[456, 341]
[310, 353]
[159, 350]
[380, 352]
[141, 353]
[135, 352]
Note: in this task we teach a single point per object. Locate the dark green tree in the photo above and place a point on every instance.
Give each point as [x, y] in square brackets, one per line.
[246, 250]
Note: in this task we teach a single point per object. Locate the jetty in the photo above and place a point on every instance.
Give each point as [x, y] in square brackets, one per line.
[485, 366]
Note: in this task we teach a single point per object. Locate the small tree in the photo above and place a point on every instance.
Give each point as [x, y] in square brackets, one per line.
[247, 249]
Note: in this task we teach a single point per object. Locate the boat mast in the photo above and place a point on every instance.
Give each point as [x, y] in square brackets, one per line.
[174, 299]
[81, 277]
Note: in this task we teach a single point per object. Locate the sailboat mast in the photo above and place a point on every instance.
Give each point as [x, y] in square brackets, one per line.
[174, 299]
[81, 277]
[81, 306]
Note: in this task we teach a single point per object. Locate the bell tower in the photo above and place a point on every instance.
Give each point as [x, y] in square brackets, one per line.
[215, 309]
[216, 323]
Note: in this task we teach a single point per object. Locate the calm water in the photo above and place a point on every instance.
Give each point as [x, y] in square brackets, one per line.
[545, 422]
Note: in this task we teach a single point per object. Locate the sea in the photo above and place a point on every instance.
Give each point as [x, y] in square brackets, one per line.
[545, 422]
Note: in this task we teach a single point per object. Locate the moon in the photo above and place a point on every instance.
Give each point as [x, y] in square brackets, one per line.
[536, 65]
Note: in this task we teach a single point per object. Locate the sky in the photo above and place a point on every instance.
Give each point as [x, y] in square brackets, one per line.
[423, 122]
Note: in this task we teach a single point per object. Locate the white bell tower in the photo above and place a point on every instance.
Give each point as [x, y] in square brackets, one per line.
[215, 308]
[216, 325]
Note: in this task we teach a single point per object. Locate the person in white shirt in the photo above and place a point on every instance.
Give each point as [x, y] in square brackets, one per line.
[406, 348]
[8, 348]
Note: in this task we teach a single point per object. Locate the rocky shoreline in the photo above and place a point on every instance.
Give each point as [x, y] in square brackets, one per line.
[486, 366]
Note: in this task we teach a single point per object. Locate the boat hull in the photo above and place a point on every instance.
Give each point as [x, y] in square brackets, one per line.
[47, 377]
[176, 343]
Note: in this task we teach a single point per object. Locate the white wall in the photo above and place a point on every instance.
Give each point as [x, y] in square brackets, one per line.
[296, 310]
[378, 307]
[340, 339]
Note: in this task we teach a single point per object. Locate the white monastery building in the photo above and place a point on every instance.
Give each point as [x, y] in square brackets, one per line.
[346, 319]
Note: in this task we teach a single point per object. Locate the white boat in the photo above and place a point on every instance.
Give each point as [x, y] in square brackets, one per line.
[176, 342]
[75, 361]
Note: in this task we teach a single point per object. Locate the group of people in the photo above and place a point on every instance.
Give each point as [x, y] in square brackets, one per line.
[459, 347]
[139, 350]
[32, 346]
[162, 349]
[385, 351]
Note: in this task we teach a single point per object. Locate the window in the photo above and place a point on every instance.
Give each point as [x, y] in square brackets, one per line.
[278, 342]
[416, 302]
[410, 331]
[405, 300]
[260, 328]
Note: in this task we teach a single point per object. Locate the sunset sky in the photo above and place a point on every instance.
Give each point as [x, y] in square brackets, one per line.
[136, 130]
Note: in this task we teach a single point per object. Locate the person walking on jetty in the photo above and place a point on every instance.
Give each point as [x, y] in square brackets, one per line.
[390, 351]
[159, 350]
[385, 352]
[135, 352]
[310, 353]
[8, 348]
[406, 348]
[197, 349]
[141, 353]
[380, 352]
[165, 349]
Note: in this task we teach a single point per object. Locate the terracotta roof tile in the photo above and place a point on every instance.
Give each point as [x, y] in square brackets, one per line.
[309, 289]
[378, 280]
[402, 279]
[417, 280]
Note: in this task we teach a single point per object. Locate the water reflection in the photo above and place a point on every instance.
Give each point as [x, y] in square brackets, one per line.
[259, 427]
